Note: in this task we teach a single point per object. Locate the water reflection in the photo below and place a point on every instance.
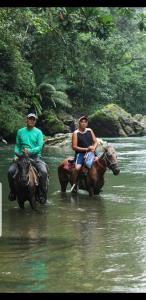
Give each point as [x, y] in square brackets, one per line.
[78, 243]
[27, 223]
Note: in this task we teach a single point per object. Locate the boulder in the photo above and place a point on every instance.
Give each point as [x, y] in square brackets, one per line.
[51, 124]
[114, 121]
[141, 119]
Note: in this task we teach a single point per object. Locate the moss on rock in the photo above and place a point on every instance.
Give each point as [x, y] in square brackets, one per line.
[112, 121]
[51, 124]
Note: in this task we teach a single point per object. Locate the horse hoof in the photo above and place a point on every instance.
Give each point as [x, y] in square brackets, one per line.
[12, 196]
[47, 203]
[42, 200]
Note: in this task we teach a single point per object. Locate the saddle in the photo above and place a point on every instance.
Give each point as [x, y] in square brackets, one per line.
[70, 164]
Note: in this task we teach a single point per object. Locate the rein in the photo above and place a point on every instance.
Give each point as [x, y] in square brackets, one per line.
[105, 158]
[100, 165]
[34, 172]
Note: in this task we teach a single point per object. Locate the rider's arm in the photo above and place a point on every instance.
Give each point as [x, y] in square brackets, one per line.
[40, 141]
[17, 148]
[95, 142]
[74, 144]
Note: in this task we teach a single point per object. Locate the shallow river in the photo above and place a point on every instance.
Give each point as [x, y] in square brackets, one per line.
[78, 244]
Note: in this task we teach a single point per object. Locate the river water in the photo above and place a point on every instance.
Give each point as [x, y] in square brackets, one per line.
[78, 244]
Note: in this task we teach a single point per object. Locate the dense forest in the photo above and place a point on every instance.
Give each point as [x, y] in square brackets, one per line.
[57, 60]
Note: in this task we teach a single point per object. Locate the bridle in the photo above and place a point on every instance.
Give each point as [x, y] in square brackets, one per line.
[107, 161]
[32, 169]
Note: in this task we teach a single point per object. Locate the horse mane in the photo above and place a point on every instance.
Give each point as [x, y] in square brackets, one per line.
[32, 173]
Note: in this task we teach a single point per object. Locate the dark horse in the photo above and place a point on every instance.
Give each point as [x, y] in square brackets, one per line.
[26, 182]
[92, 179]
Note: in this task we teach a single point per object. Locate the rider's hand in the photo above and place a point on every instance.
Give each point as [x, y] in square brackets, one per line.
[15, 159]
[25, 151]
[91, 148]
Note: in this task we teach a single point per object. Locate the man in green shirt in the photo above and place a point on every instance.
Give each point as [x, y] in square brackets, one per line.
[29, 141]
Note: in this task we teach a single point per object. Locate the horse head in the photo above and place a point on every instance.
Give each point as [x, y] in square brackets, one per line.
[110, 159]
[23, 164]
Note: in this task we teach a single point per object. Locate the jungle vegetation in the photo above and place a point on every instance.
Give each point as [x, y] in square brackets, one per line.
[70, 59]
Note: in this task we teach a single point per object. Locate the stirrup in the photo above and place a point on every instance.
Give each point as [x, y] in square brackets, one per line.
[73, 187]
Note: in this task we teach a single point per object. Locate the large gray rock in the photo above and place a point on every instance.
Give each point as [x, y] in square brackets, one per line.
[113, 121]
[141, 119]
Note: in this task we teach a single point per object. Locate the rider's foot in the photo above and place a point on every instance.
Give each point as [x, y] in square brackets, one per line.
[12, 196]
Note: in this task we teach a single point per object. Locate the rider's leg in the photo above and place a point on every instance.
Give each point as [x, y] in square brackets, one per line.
[79, 159]
[11, 172]
[43, 177]
[75, 174]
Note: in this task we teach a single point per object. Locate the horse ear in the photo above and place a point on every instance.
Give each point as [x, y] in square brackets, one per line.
[105, 148]
[105, 145]
[102, 145]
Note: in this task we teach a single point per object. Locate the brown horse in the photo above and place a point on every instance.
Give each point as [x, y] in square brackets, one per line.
[26, 182]
[92, 179]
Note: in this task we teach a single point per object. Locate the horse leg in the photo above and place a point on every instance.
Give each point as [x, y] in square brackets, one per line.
[37, 194]
[32, 198]
[90, 185]
[98, 187]
[20, 202]
[96, 191]
[19, 198]
[63, 179]
[32, 202]
[91, 191]
[64, 184]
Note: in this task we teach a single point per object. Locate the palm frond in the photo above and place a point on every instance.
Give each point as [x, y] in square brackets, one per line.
[62, 99]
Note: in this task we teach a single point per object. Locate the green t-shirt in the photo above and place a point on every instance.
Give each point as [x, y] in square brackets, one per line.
[31, 139]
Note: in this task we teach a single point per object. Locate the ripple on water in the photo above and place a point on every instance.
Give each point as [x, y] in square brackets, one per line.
[103, 241]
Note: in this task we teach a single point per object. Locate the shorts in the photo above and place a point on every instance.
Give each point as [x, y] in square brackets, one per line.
[79, 158]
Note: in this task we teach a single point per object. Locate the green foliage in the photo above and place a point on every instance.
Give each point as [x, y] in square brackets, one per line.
[35, 103]
[61, 99]
[72, 59]
[10, 117]
[52, 98]
[46, 90]
[51, 123]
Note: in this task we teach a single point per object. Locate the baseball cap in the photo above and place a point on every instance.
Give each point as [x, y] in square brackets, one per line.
[82, 118]
[31, 115]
